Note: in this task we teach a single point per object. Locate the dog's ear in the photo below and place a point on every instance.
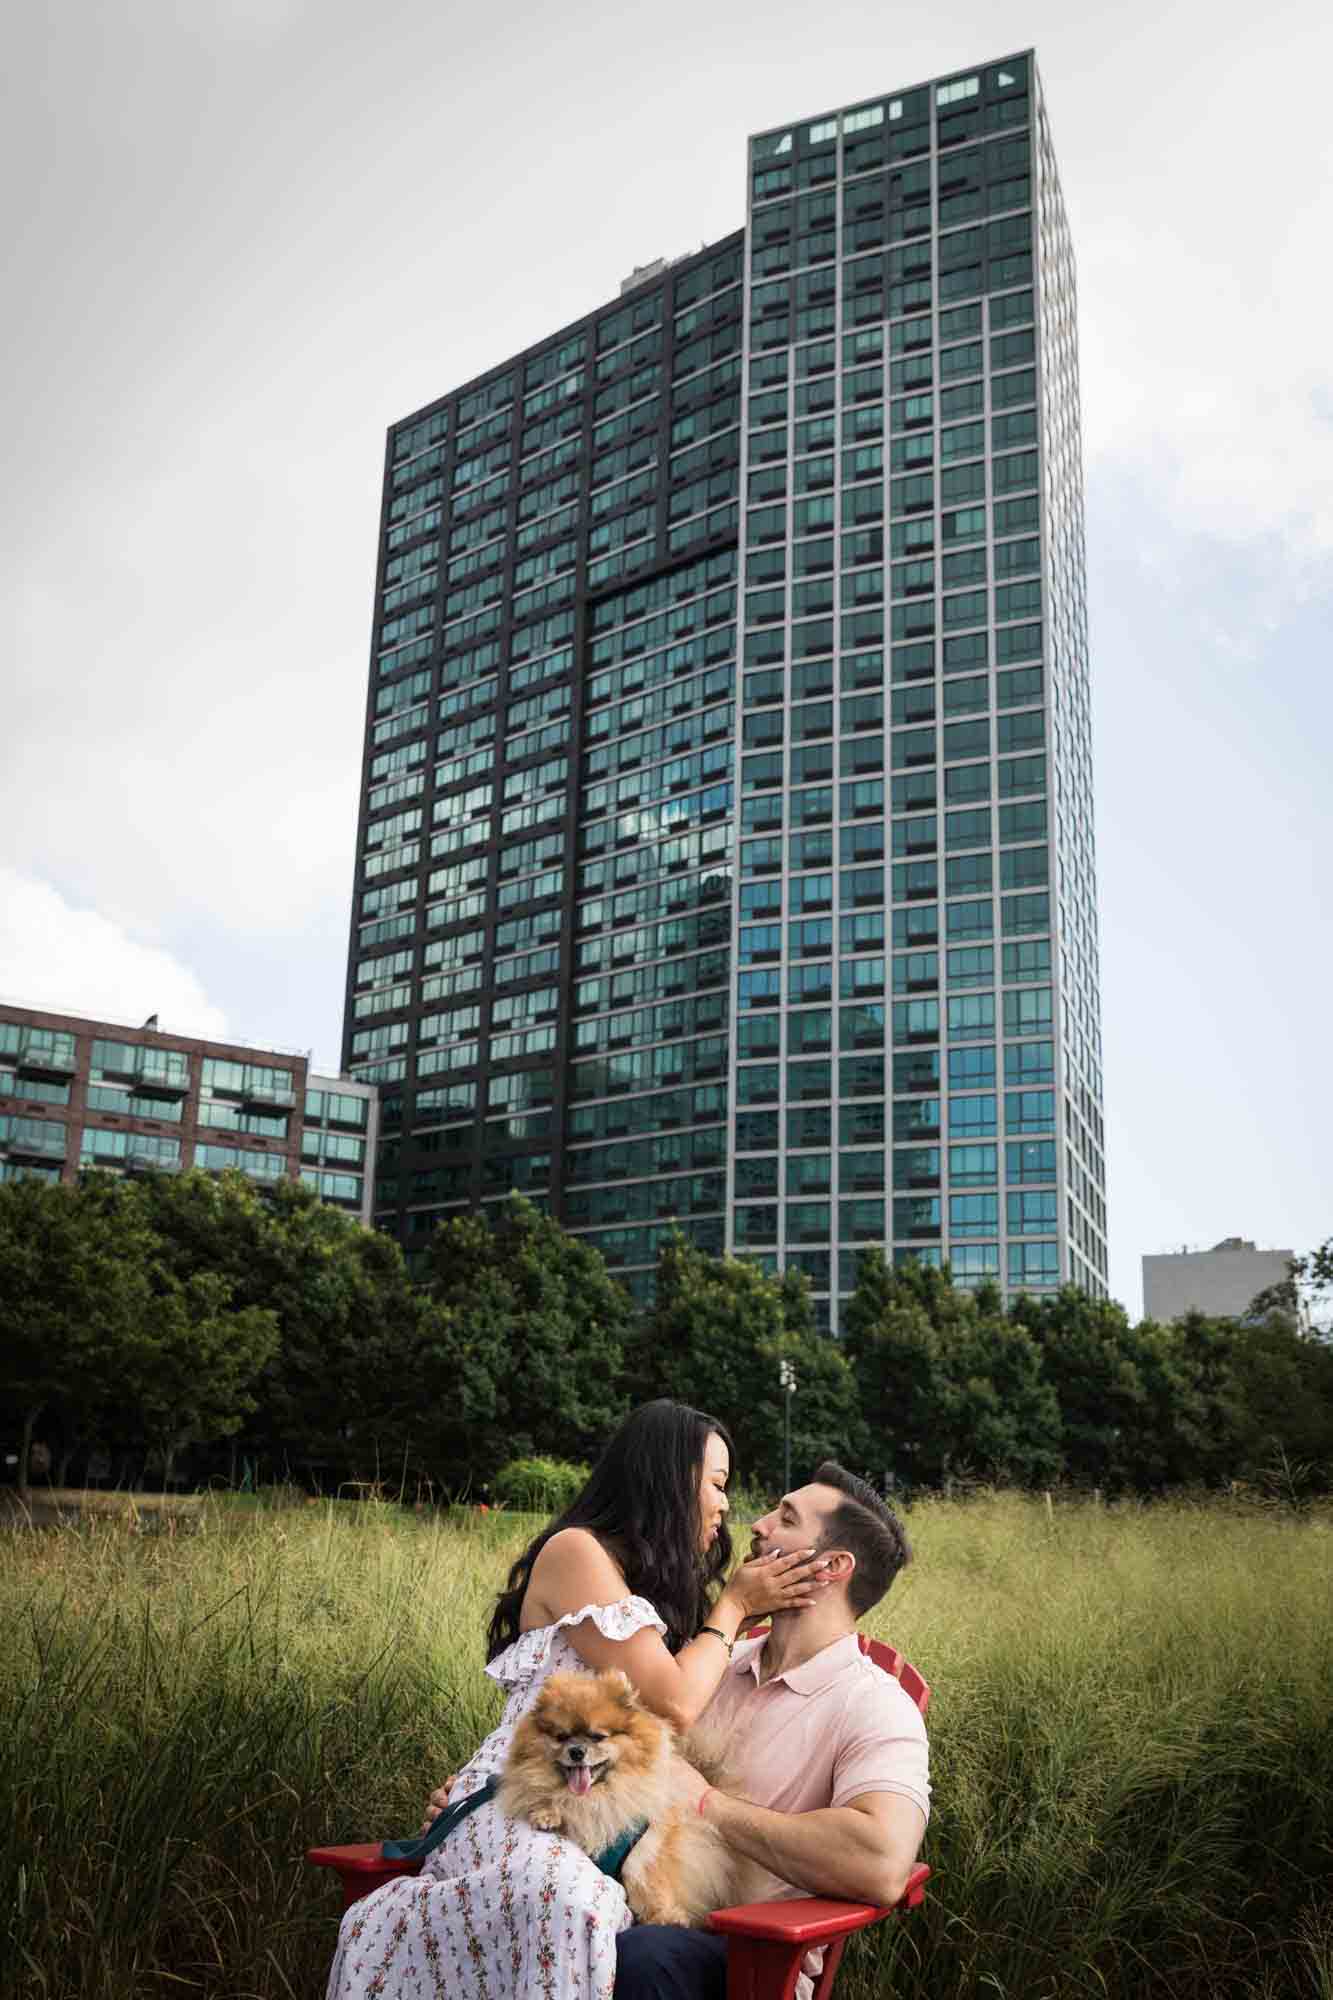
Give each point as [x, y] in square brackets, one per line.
[620, 1687]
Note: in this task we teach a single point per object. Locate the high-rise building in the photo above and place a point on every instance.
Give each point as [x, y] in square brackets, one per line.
[78, 1093]
[726, 853]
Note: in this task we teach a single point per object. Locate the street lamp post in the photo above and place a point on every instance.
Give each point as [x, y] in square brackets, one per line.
[787, 1383]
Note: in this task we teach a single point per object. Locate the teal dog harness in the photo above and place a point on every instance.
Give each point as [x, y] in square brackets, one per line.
[611, 1859]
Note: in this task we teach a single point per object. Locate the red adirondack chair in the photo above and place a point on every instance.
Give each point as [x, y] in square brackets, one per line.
[766, 1942]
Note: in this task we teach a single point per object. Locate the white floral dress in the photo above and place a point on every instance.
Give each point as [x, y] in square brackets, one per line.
[499, 1911]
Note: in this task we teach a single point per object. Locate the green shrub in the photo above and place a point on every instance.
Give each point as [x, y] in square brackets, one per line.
[539, 1485]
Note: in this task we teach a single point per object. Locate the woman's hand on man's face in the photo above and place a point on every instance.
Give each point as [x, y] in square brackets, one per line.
[777, 1581]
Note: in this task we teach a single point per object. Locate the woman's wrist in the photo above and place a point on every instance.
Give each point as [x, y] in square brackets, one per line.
[728, 1612]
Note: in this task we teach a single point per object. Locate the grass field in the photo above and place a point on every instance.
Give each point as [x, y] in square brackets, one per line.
[1132, 1739]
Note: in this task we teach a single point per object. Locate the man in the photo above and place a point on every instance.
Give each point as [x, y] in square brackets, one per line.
[831, 1752]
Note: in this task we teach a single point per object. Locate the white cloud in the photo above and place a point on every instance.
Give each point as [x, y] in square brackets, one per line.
[1204, 301]
[1224, 412]
[56, 956]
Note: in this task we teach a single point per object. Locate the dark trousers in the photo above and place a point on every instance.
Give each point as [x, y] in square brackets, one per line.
[667, 1962]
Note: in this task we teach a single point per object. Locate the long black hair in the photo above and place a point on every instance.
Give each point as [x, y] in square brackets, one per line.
[642, 1502]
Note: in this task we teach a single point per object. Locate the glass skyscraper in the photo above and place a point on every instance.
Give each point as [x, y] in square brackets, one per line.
[726, 851]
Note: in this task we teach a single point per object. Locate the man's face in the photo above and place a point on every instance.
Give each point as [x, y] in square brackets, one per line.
[797, 1522]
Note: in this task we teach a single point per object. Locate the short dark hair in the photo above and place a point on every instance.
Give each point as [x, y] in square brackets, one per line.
[870, 1530]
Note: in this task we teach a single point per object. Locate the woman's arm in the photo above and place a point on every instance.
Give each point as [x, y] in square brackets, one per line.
[574, 1570]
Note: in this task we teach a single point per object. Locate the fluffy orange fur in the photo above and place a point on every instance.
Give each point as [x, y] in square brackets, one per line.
[586, 1761]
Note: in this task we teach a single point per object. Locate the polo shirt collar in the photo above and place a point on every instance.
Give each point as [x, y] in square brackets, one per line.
[815, 1673]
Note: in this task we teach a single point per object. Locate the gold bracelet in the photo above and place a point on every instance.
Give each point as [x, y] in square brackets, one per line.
[728, 1643]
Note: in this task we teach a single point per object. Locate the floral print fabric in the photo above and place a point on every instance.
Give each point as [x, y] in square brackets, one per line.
[499, 1911]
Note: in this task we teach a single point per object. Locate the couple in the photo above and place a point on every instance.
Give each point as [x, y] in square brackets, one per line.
[830, 1751]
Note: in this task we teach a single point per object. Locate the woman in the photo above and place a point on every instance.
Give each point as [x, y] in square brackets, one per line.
[623, 1578]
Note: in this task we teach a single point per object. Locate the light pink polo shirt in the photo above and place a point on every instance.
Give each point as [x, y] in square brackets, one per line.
[819, 1735]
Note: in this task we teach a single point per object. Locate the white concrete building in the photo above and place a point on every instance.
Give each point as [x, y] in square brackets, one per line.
[1222, 1281]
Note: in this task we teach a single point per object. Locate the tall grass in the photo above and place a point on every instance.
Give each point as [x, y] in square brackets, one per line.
[1132, 1737]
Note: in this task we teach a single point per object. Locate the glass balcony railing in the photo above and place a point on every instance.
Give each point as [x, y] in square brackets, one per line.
[280, 1094]
[47, 1054]
[28, 1139]
[101, 1149]
[161, 1076]
[157, 1155]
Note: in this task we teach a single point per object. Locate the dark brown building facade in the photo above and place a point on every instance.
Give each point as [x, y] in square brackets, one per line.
[78, 1093]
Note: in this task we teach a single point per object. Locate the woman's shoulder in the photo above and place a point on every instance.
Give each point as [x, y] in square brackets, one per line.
[578, 1552]
[535, 1650]
[575, 1567]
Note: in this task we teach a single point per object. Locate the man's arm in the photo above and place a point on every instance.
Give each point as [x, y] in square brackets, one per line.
[863, 1852]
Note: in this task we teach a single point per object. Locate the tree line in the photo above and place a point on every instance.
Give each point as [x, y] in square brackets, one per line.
[166, 1314]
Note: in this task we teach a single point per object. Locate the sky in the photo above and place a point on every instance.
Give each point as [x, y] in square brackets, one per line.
[245, 238]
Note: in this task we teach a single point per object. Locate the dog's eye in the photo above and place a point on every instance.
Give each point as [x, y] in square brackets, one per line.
[562, 1735]
[596, 1736]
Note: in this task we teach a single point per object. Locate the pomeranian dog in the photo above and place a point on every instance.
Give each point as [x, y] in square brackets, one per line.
[588, 1760]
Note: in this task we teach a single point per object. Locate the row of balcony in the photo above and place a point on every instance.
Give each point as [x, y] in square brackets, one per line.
[156, 1073]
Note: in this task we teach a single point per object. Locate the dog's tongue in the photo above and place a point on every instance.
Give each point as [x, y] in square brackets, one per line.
[580, 1779]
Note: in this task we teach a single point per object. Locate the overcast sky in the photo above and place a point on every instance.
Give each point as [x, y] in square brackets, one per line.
[247, 237]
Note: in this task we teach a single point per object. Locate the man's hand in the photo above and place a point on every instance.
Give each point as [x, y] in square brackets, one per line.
[439, 1799]
[692, 1786]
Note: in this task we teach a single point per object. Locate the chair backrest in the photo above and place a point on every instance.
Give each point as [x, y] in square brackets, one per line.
[892, 1661]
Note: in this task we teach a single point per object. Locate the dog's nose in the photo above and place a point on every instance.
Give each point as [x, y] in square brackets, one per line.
[577, 1753]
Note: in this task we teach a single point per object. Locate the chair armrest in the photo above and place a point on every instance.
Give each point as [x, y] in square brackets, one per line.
[807, 1920]
[802, 1921]
[915, 1893]
[767, 1942]
[361, 1867]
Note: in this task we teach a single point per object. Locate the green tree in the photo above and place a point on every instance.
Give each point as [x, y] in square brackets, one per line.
[1285, 1383]
[825, 1409]
[715, 1336]
[1008, 1418]
[539, 1314]
[371, 1373]
[897, 1354]
[189, 1366]
[1113, 1382]
[1208, 1415]
[708, 1315]
[73, 1283]
[1309, 1283]
[949, 1385]
[368, 1371]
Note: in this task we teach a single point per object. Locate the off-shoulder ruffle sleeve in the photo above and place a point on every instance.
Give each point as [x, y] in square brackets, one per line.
[528, 1655]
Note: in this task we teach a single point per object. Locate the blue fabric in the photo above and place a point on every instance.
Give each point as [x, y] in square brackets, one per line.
[611, 1859]
[665, 1962]
[440, 1828]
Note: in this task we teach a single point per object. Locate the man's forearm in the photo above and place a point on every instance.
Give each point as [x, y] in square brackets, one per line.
[833, 1852]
